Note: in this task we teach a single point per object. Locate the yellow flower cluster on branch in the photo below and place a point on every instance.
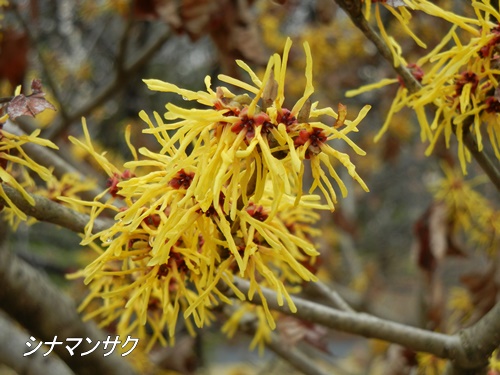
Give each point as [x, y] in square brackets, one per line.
[222, 197]
[471, 212]
[459, 84]
[15, 165]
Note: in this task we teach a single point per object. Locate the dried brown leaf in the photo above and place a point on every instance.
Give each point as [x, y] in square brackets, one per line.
[295, 330]
[30, 105]
[270, 92]
[484, 290]
[434, 238]
[399, 360]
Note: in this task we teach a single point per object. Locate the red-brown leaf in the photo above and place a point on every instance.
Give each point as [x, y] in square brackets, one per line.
[483, 288]
[435, 240]
[30, 105]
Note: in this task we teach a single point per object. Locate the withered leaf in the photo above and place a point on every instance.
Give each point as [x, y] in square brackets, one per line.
[305, 112]
[270, 92]
[30, 105]
[434, 238]
[483, 288]
[294, 330]
[36, 86]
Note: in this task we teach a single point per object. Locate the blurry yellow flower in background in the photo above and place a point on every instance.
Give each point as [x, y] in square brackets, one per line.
[472, 213]
[429, 364]
[495, 361]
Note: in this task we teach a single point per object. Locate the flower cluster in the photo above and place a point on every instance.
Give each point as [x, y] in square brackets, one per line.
[471, 212]
[461, 82]
[222, 197]
[15, 168]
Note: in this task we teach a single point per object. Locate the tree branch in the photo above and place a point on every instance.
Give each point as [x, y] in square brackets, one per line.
[470, 348]
[30, 298]
[12, 354]
[52, 212]
[46, 70]
[288, 352]
[294, 356]
[107, 92]
[490, 167]
[334, 299]
[481, 339]
[465, 348]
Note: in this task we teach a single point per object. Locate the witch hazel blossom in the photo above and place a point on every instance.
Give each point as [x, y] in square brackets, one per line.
[459, 84]
[222, 198]
[271, 133]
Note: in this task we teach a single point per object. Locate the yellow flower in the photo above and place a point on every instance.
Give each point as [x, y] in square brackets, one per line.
[471, 212]
[222, 197]
[258, 135]
[460, 82]
[68, 186]
[495, 361]
[256, 316]
[429, 364]
[14, 167]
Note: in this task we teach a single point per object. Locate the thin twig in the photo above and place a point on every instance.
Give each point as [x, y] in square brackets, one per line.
[490, 166]
[335, 299]
[288, 352]
[46, 70]
[294, 356]
[110, 90]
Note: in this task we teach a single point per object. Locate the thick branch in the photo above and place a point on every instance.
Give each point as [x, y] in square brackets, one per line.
[481, 339]
[12, 354]
[444, 346]
[30, 298]
[468, 349]
[52, 212]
